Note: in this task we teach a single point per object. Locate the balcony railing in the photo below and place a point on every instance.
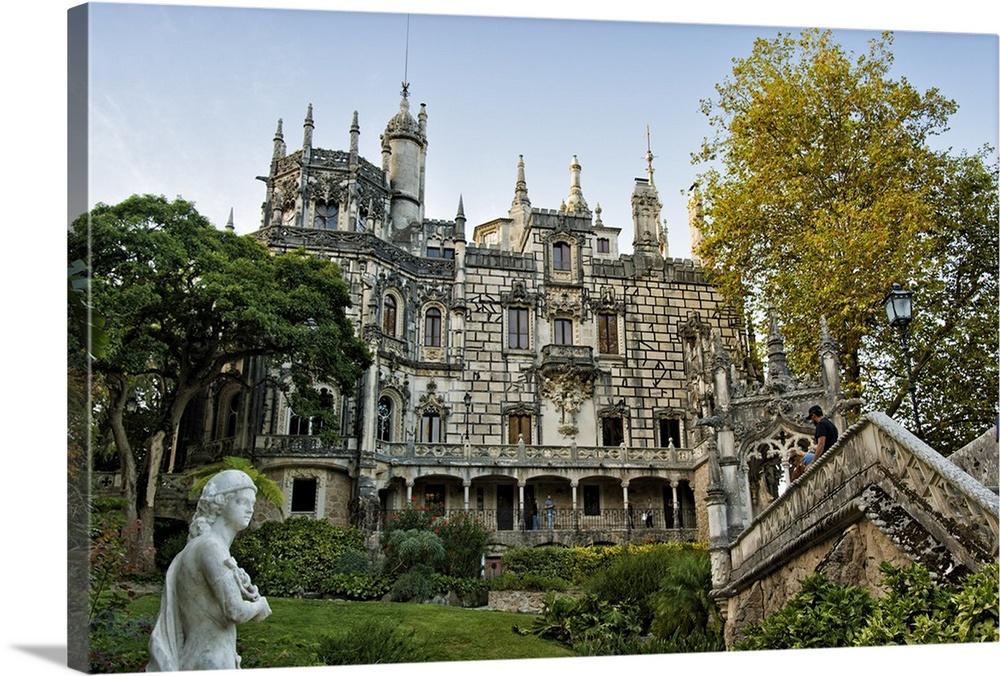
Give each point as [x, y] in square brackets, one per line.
[525, 453]
[484, 454]
[573, 520]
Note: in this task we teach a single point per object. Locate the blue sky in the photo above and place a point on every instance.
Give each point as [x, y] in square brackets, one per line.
[195, 115]
[185, 100]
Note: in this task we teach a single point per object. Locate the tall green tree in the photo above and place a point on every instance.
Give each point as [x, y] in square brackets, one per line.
[183, 300]
[820, 190]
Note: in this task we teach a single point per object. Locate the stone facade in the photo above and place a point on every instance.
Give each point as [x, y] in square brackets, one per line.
[530, 360]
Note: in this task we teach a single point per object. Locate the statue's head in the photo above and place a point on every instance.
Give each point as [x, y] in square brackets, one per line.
[216, 494]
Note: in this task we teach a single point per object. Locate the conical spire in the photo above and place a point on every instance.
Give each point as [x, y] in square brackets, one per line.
[307, 129]
[279, 143]
[460, 219]
[521, 187]
[229, 224]
[355, 133]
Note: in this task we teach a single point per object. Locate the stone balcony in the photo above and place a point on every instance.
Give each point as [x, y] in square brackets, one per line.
[511, 455]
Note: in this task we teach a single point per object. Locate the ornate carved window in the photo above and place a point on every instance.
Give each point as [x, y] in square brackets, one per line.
[669, 432]
[561, 256]
[519, 427]
[325, 216]
[383, 417]
[562, 331]
[430, 426]
[432, 327]
[389, 315]
[607, 333]
[518, 328]
[612, 431]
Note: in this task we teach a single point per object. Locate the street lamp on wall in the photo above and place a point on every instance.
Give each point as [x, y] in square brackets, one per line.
[898, 303]
[468, 403]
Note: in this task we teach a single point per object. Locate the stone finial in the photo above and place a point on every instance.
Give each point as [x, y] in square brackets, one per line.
[827, 345]
[355, 133]
[307, 128]
[597, 215]
[279, 143]
[521, 187]
[777, 365]
[575, 202]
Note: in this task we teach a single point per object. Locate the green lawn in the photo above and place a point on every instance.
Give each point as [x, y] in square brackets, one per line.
[292, 634]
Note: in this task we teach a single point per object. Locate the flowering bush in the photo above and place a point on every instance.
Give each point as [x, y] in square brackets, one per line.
[464, 539]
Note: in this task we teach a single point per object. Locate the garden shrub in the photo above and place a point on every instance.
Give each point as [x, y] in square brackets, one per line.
[413, 585]
[685, 616]
[404, 549]
[465, 587]
[354, 561]
[377, 641]
[295, 556]
[542, 561]
[527, 582]
[464, 539]
[357, 586]
[914, 610]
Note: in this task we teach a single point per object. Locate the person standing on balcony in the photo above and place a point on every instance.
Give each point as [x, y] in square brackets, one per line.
[534, 514]
[550, 507]
[826, 435]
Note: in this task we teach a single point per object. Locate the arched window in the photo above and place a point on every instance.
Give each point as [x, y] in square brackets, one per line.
[233, 414]
[560, 256]
[325, 216]
[432, 328]
[383, 416]
[389, 316]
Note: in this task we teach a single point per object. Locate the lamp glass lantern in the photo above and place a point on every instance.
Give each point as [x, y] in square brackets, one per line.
[898, 304]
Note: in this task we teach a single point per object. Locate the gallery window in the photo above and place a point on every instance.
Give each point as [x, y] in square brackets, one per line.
[517, 328]
[430, 427]
[670, 431]
[325, 216]
[519, 427]
[304, 495]
[389, 316]
[562, 330]
[607, 333]
[560, 256]
[432, 327]
[612, 431]
[592, 500]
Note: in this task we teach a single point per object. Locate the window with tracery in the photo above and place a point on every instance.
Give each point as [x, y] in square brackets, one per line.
[383, 415]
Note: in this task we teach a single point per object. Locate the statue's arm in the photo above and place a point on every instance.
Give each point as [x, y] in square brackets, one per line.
[226, 578]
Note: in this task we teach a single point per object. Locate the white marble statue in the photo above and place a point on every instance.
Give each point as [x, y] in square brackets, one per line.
[206, 594]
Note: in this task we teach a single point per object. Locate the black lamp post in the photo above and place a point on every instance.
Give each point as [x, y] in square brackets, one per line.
[468, 405]
[898, 304]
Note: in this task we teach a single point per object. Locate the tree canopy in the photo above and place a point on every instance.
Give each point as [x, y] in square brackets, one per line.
[182, 301]
[820, 190]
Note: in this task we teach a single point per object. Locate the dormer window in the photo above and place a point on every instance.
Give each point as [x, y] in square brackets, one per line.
[603, 245]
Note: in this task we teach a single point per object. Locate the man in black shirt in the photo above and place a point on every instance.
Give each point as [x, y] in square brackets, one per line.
[826, 432]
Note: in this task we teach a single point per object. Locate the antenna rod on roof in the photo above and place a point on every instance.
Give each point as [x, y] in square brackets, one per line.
[406, 60]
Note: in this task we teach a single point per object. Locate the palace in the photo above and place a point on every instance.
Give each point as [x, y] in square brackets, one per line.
[533, 362]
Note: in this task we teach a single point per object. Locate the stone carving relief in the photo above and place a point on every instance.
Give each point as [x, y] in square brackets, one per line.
[567, 390]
